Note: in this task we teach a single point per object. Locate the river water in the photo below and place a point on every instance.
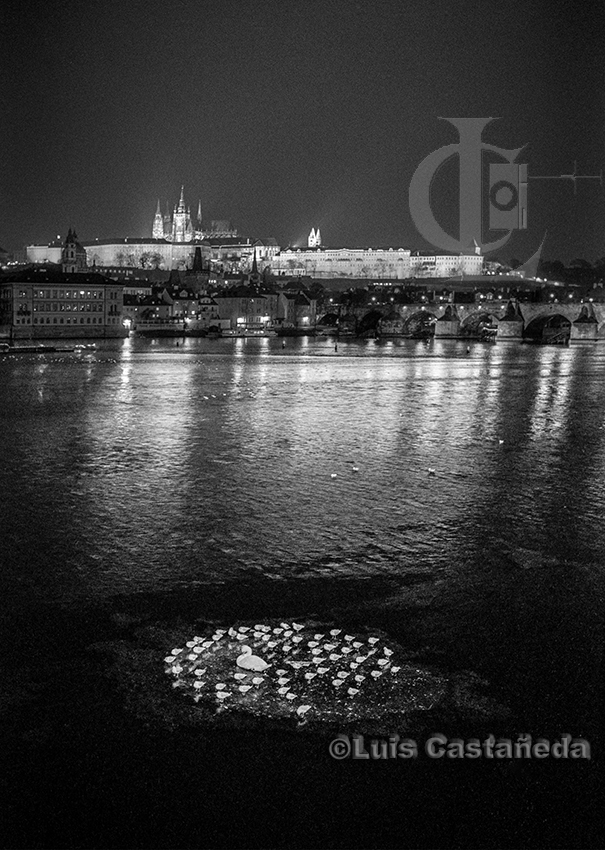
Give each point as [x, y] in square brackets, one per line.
[465, 517]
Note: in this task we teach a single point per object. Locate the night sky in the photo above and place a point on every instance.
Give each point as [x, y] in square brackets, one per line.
[284, 115]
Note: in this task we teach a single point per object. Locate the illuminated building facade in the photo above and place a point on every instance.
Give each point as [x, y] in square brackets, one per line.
[393, 263]
[371, 263]
[42, 302]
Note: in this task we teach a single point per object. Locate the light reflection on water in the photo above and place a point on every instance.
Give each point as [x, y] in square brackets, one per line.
[146, 468]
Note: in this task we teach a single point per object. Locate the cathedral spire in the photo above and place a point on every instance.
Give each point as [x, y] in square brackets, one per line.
[167, 222]
[314, 240]
[199, 214]
[157, 231]
[182, 229]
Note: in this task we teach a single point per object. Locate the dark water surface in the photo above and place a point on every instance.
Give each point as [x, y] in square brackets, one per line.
[153, 482]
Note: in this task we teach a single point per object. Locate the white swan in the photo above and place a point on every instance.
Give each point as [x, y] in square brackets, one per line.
[247, 661]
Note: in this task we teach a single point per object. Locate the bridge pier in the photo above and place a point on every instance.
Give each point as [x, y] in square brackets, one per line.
[511, 324]
[510, 330]
[585, 328]
[448, 326]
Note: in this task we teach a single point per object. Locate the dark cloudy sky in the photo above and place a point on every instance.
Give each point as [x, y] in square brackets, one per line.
[287, 114]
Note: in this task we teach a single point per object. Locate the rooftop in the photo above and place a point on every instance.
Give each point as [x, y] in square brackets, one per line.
[52, 273]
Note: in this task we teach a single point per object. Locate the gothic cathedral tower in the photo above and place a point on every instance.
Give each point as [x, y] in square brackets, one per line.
[314, 240]
[158, 224]
[182, 230]
[167, 223]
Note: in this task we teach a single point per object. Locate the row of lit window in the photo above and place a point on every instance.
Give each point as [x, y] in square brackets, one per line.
[61, 321]
[48, 307]
[348, 252]
[55, 321]
[67, 293]
[63, 293]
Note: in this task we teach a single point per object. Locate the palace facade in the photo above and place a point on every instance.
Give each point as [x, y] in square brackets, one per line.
[377, 263]
[318, 261]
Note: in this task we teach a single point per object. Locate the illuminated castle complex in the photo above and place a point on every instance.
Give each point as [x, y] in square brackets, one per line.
[171, 245]
[180, 227]
[175, 238]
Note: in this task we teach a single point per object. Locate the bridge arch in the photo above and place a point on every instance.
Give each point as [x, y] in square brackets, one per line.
[330, 319]
[369, 323]
[480, 324]
[420, 323]
[551, 327]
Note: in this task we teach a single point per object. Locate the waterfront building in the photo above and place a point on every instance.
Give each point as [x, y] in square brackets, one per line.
[170, 308]
[246, 307]
[45, 301]
[207, 312]
[296, 310]
[142, 309]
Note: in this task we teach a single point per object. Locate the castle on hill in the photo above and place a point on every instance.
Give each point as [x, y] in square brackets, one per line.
[181, 227]
[176, 238]
[172, 245]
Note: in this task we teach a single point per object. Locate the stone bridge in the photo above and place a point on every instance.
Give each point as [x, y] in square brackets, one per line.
[539, 322]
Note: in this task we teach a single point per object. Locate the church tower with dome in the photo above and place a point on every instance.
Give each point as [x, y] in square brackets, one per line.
[73, 255]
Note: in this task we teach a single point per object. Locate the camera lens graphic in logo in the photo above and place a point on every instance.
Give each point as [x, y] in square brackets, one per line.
[508, 196]
[504, 196]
